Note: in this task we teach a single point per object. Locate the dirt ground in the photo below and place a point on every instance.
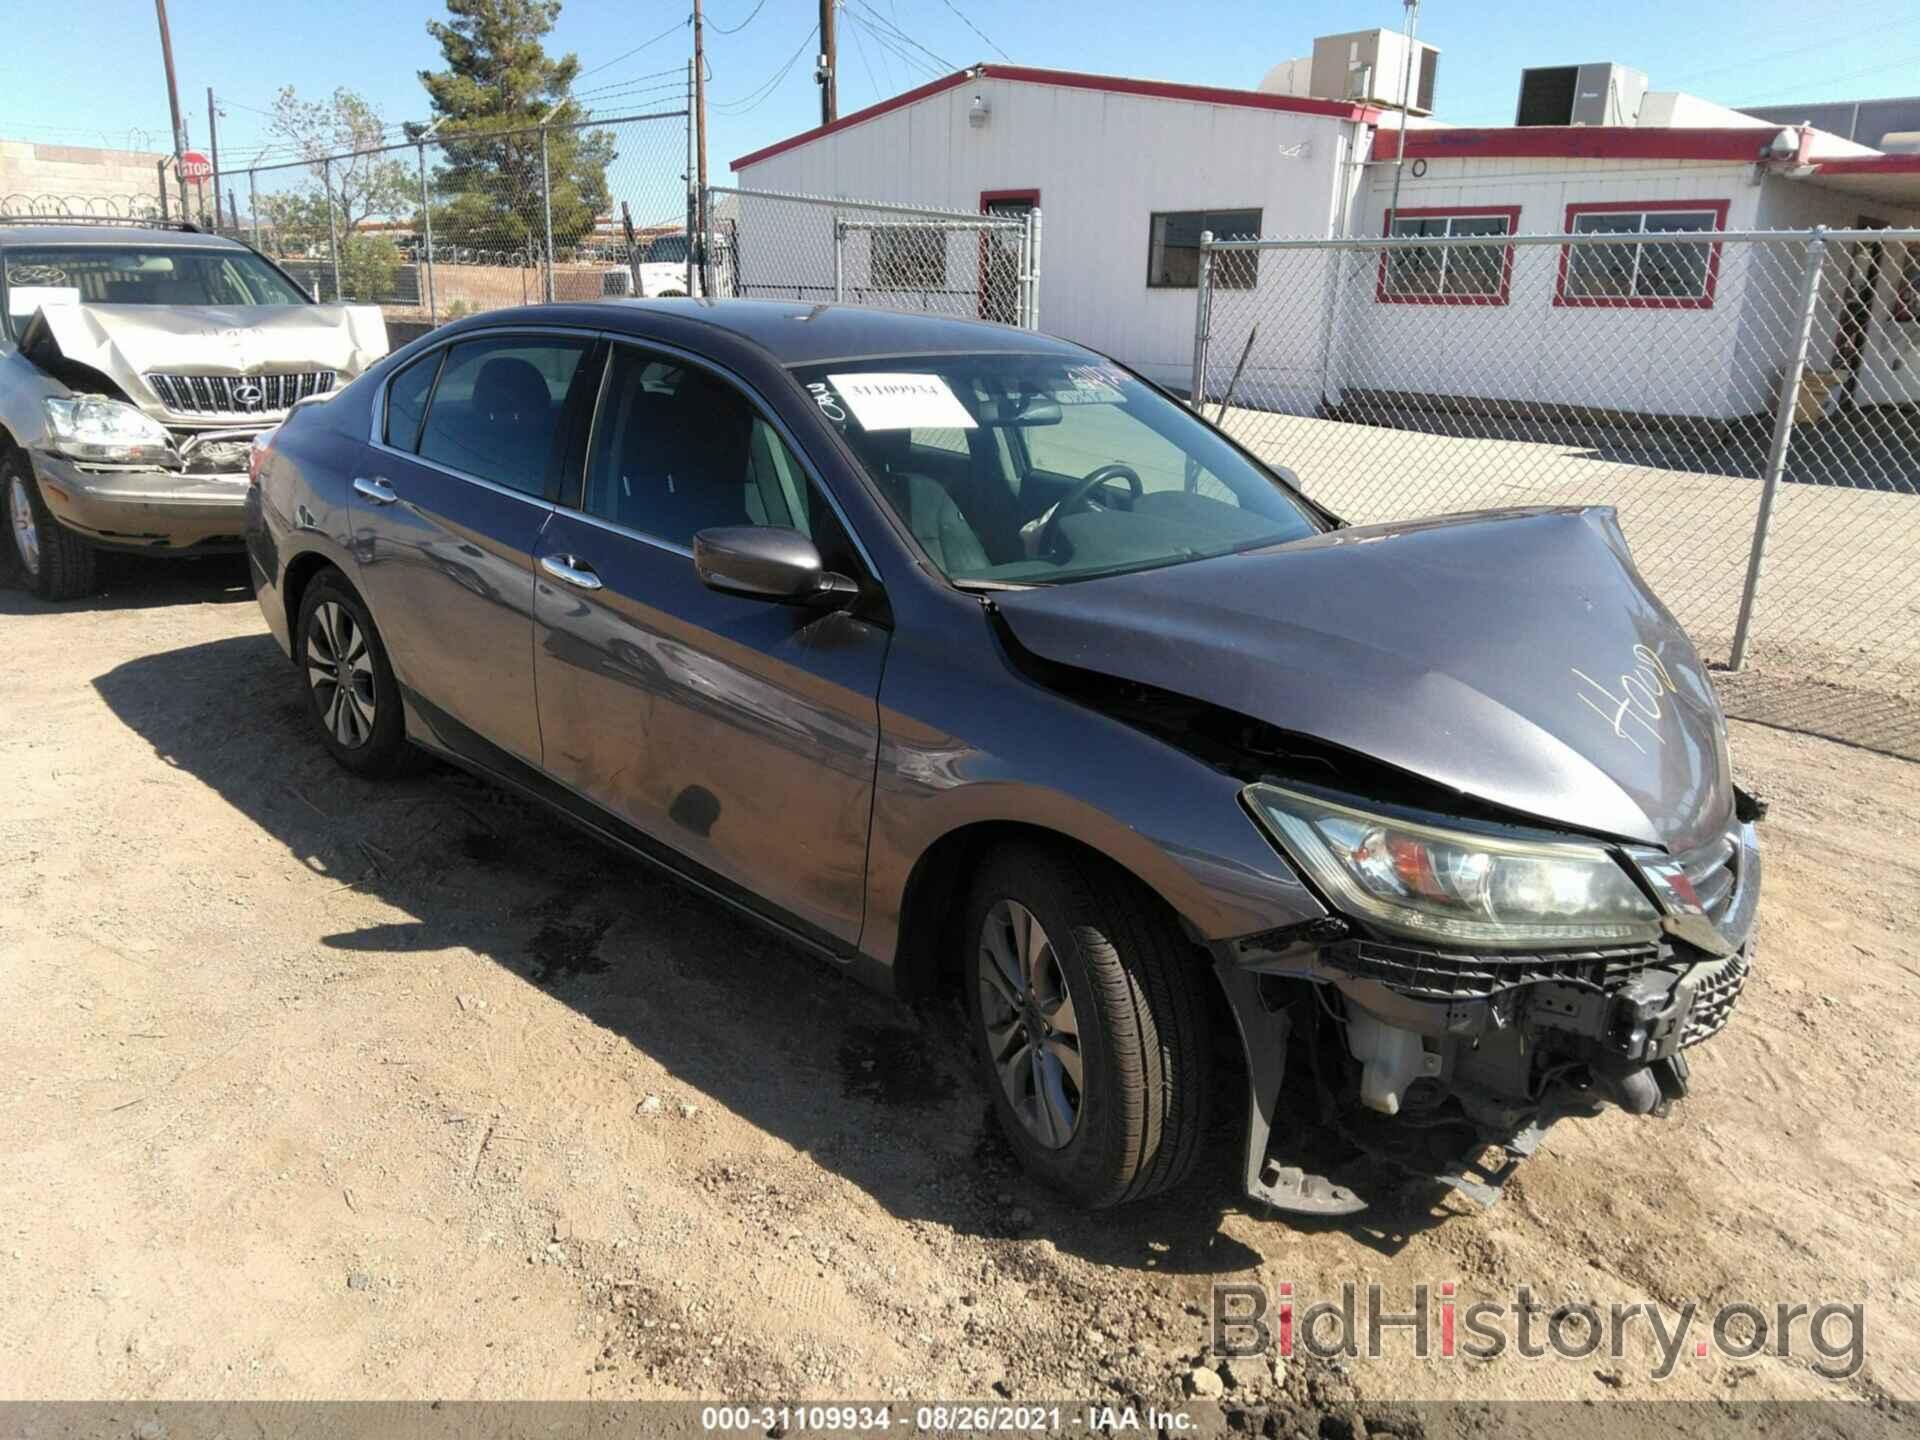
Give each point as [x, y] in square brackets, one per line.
[314, 1088]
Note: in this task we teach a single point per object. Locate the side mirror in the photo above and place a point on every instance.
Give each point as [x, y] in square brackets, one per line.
[768, 562]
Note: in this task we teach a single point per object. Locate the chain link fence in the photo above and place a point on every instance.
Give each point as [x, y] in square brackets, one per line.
[812, 248]
[444, 227]
[1745, 401]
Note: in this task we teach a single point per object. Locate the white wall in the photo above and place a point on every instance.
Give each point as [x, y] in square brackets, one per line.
[1653, 361]
[1890, 363]
[1103, 164]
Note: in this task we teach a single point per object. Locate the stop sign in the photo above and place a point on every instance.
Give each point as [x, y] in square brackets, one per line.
[195, 166]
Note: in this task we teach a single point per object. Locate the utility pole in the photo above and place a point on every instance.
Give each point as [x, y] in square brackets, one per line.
[825, 70]
[213, 144]
[700, 131]
[173, 101]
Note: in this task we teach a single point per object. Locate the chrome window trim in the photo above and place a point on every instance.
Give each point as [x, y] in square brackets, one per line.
[540, 501]
[766, 413]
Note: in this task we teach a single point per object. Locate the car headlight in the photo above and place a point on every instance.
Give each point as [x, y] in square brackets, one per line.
[1456, 885]
[92, 427]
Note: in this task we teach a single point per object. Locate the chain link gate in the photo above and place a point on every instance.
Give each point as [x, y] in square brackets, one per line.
[1743, 399]
[434, 229]
[897, 257]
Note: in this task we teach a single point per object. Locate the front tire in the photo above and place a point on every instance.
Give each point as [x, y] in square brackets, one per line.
[55, 563]
[351, 692]
[1090, 1022]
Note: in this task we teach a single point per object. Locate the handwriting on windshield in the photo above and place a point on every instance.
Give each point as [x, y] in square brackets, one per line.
[1634, 708]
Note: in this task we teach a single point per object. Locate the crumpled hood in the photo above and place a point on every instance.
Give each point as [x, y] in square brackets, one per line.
[1515, 656]
[127, 342]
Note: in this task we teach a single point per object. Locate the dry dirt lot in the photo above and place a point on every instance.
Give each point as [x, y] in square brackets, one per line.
[319, 1088]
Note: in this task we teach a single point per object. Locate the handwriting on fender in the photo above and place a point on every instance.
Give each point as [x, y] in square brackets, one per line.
[1637, 708]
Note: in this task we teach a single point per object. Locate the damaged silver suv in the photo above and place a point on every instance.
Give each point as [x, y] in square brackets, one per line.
[137, 364]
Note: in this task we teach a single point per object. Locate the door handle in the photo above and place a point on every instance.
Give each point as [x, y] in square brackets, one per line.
[375, 491]
[572, 571]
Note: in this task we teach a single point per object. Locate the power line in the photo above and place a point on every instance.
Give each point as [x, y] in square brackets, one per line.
[975, 28]
[893, 47]
[723, 30]
[897, 33]
[680, 24]
[866, 64]
[761, 92]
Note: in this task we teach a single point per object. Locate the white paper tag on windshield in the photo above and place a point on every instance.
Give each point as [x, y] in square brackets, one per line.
[902, 401]
[25, 299]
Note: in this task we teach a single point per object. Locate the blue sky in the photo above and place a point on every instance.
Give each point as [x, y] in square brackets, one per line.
[89, 72]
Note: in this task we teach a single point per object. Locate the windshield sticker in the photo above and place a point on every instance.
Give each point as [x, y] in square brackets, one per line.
[25, 299]
[902, 401]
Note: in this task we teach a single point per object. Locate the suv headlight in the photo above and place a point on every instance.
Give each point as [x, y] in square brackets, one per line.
[1456, 885]
[92, 427]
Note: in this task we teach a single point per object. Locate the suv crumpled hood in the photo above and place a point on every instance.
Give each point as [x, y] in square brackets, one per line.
[128, 342]
[1515, 656]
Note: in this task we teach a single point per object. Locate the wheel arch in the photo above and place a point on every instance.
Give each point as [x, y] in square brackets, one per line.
[302, 570]
[930, 946]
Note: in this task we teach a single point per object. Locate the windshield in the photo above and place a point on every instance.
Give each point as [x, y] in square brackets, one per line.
[139, 275]
[667, 250]
[1034, 469]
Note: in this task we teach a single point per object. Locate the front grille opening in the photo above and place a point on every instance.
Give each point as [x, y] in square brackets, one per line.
[1442, 975]
[235, 394]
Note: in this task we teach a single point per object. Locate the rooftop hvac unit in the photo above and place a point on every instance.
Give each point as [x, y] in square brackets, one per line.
[1599, 94]
[1370, 67]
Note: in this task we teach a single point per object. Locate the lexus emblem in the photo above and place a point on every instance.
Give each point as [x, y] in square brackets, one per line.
[248, 395]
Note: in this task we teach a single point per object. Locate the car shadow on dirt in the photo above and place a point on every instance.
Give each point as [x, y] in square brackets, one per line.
[879, 1092]
[136, 582]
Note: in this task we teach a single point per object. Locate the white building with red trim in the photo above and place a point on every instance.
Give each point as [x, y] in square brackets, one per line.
[1128, 172]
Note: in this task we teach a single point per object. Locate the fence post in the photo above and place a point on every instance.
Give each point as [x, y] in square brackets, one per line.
[333, 228]
[1033, 268]
[1784, 409]
[839, 261]
[1198, 396]
[253, 207]
[693, 187]
[546, 205]
[426, 221]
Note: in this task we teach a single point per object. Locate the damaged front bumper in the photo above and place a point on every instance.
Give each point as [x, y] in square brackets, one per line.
[1451, 1065]
[197, 506]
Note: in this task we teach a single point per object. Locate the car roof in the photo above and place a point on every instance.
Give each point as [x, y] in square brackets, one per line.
[54, 233]
[794, 332]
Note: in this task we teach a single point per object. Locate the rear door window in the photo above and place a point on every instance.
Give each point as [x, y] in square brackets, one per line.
[496, 413]
[407, 400]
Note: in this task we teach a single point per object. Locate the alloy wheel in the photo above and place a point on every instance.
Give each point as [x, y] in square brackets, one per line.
[1032, 1031]
[340, 669]
[26, 530]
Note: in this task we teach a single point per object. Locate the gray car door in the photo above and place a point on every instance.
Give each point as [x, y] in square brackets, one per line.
[738, 736]
[446, 513]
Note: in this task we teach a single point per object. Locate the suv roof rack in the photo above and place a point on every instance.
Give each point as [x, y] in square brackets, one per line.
[121, 220]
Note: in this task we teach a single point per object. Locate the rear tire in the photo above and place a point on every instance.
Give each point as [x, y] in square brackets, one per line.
[55, 563]
[1115, 1107]
[351, 692]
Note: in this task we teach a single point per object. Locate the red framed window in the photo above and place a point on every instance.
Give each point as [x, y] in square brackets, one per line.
[1448, 274]
[1646, 275]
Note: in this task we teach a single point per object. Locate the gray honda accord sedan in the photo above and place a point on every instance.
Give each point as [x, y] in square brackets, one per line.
[962, 655]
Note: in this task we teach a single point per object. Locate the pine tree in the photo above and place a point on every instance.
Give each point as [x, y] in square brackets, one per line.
[499, 88]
